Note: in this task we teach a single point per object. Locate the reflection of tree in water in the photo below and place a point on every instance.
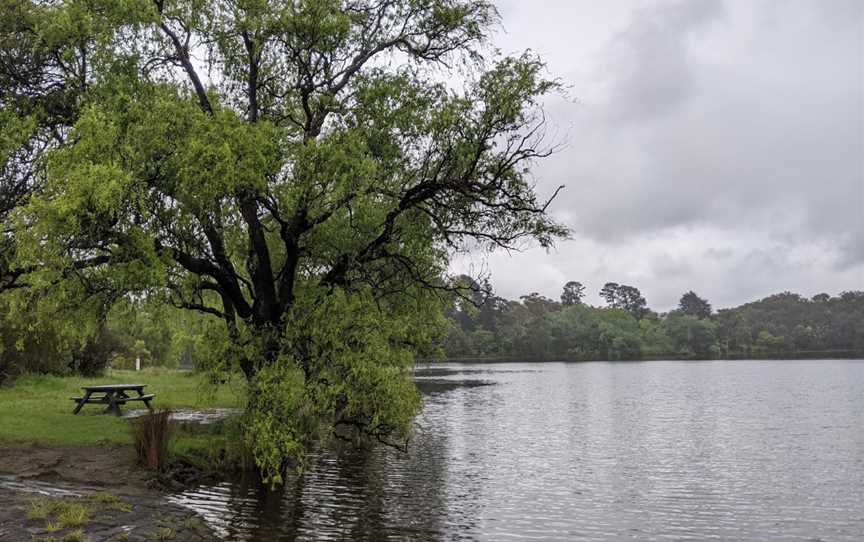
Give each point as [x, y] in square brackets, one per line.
[418, 482]
[469, 455]
[348, 493]
[377, 493]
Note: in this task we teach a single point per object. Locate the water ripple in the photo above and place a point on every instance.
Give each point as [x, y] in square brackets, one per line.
[590, 451]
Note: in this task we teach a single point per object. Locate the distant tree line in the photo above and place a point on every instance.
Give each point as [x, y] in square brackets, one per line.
[785, 325]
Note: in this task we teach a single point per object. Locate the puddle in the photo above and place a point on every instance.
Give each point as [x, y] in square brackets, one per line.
[202, 417]
[46, 489]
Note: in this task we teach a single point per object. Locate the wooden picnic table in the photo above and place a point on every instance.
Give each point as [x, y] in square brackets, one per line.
[113, 395]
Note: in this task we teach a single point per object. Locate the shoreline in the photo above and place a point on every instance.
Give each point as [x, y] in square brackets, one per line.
[480, 360]
[87, 477]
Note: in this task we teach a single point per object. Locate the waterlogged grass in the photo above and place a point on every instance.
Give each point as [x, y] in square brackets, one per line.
[165, 533]
[37, 409]
[62, 513]
[109, 501]
[76, 536]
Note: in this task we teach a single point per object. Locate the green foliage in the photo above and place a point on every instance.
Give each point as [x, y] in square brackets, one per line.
[693, 305]
[353, 377]
[309, 200]
[158, 334]
[48, 331]
[69, 512]
[51, 332]
[691, 336]
[618, 335]
[573, 293]
[536, 328]
[628, 298]
[216, 449]
[766, 344]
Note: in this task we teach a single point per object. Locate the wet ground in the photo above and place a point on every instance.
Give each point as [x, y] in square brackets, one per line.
[31, 474]
[132, 517]
[96, 467]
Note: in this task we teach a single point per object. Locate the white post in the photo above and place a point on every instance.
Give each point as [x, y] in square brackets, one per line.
[138, 363]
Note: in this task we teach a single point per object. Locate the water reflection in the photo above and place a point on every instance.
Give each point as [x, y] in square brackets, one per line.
[591, 451]
[344, 494]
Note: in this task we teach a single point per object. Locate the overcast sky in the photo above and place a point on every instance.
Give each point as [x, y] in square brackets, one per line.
[710, 145]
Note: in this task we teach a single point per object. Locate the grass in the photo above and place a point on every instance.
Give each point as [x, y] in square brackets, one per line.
[68, 513]
[165, 533]
[74, 514]
[194, 523]
[68, 518]
[217, 451]
[109, 501]
[76, 536]
[37, 408]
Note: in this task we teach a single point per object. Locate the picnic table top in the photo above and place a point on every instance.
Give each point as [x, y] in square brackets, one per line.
[111, 387]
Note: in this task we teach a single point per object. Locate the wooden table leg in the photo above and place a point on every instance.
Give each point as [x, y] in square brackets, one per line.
[146, 401]
[113, 407]
[81, 403]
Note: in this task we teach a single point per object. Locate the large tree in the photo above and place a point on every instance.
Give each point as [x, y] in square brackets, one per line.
[573, 293]
[693, 305]
[298, 170]
[628, 298]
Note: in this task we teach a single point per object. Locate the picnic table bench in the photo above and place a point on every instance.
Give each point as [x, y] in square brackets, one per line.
[113, 395]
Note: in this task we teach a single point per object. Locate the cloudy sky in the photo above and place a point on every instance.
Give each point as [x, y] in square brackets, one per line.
[710, 145]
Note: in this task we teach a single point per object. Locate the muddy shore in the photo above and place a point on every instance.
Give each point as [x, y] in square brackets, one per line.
[77, 474]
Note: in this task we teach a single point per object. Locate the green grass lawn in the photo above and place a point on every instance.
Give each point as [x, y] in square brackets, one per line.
[38, 409]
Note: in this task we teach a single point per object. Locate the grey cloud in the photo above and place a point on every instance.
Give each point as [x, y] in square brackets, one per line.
[714, 145]
[852, 249]
[649, 62]
[775, 133]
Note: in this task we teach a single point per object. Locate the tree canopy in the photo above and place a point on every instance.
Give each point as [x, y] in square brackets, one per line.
[573, 293]
[628, 298]
[693, 305]
[297, 170]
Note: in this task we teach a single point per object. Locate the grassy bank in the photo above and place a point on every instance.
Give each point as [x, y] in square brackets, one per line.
[38, 409]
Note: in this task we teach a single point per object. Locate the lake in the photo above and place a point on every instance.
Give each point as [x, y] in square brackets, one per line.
[725, 450]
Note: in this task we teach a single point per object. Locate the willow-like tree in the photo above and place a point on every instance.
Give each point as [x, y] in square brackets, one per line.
[302, 170]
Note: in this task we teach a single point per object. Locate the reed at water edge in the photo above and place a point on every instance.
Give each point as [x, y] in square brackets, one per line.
[151, 434]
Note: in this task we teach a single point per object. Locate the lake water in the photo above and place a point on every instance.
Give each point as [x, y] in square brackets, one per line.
[726, 450]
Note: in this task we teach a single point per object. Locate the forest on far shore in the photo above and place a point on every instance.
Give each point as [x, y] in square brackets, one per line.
[536, 328]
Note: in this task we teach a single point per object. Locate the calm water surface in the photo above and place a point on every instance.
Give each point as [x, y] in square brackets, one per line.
[745, 450]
